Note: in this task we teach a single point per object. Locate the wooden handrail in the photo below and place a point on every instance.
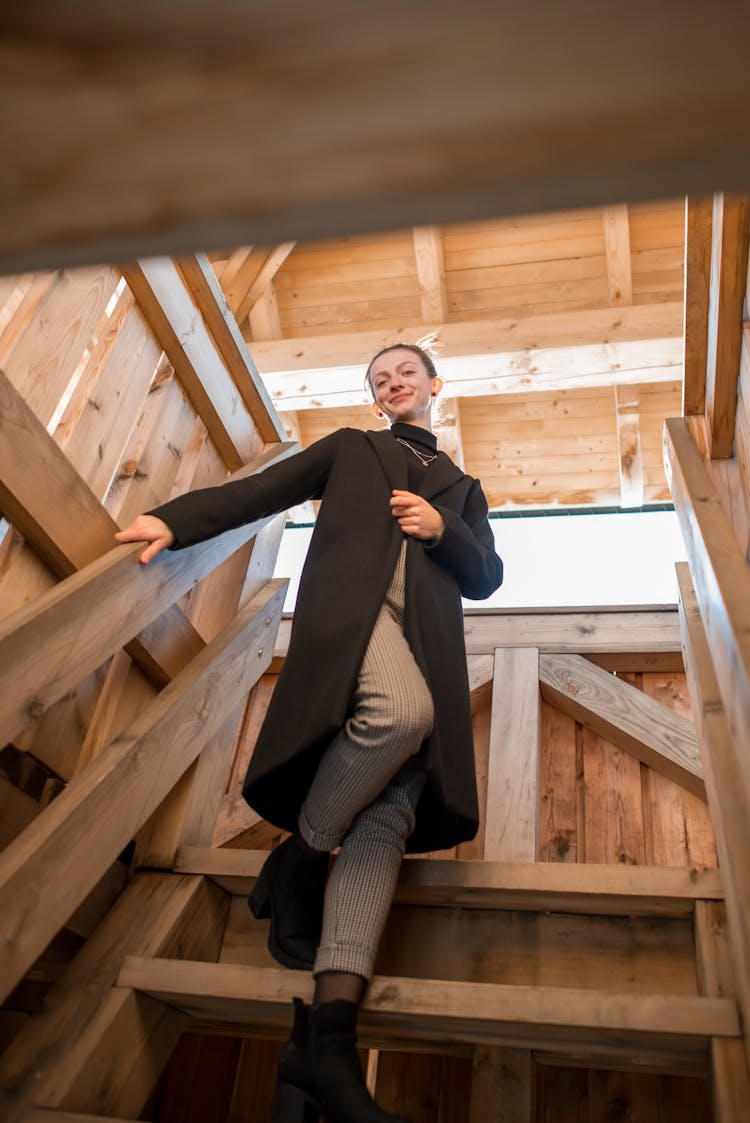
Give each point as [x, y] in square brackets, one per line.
[48, 646]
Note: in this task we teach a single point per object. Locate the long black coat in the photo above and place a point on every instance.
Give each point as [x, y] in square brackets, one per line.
[349, 565]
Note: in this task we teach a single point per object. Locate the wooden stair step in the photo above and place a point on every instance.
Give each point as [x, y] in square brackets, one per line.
[569, 1020]
[616, 890]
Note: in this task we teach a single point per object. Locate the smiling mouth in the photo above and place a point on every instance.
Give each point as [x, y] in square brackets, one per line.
[399, 398]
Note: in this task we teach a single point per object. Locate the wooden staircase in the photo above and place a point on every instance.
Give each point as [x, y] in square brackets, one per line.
[614, 966]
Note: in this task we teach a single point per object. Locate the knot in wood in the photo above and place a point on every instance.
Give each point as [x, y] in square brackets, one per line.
[35, 709]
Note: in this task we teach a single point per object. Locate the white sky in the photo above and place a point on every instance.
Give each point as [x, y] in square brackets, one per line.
[559, 561]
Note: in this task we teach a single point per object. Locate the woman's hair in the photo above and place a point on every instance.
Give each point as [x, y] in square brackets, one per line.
[414, 348]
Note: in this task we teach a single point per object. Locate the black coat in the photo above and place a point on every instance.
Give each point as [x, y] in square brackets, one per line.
[349, 565]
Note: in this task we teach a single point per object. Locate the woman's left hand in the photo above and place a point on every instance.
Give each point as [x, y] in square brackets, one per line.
[416, 516]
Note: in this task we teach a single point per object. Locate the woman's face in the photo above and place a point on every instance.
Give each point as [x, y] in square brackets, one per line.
[401, 386]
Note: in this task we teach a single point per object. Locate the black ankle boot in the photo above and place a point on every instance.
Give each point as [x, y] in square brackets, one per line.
[319, 1070]
[290, 890]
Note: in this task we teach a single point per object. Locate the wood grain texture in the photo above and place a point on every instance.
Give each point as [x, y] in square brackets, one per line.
[500, 335]
[600, 889]
[729, 1061]
[729, 259]
[125, 785]
[157, 915]
[75, 637]
[726, 779]
[719, 572]
[617, 243]
[581, 633]
[435, 1009]
[503, 1086]
[480, 122]
[654, 734]
[212, 305]
[162, 295]
[512, 827]
[698, 219]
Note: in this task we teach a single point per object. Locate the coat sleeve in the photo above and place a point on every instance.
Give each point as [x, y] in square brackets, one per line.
[467, 547]
[209, 511]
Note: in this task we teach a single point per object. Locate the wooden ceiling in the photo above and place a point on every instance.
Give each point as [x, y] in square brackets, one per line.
[559, 336]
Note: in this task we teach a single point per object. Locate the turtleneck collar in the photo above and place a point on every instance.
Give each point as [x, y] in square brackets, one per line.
[415, 435]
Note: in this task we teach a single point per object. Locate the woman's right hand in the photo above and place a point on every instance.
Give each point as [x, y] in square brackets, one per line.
[147, 528]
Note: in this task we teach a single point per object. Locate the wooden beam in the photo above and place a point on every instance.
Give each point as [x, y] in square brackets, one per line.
[729, 261]
[65, 623]
[719, 571]
[341, 156]
[536, 370]
[53, 508]
[263, 280]
[611, 890]
[436, 1010]
[265, 322]
[698, 216]
[428, 253]
[160, 291]
[617, 249]
[520, 337]
[212, 304]
[727, 779]
[729, 1064]
[119, 1056]
[655, 735]
[512, 818]
[54, 857]
[156, 915]
[606, 635]
[581, 633]
[630, 462]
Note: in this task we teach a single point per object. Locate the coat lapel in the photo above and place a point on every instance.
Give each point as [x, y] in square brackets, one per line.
[441, 474]
[390, 457]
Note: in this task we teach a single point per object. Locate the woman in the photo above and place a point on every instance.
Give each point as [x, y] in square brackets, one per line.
[367, 743]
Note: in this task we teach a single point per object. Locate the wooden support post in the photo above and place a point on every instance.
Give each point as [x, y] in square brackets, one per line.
[54, 858]
[727, 783]
[617, 246]
[719, 572]
[428, 252]
[511, 832]
[729, 258]
[265, 321]
[503, 1086]
[729, 1062]
[698, 216]
[165, 915]
[627, 717]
